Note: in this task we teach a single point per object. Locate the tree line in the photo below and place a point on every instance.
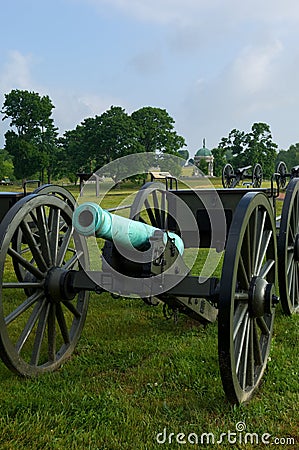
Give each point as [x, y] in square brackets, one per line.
[34, 148]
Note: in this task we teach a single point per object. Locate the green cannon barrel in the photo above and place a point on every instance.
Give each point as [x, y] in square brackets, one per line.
[89, 219]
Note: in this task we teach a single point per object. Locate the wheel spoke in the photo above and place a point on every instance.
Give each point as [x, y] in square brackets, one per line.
[23, 307]
[163, 211]
[150, 213]
[241, 310]
[269, 264]
[43, 234]
[62, 324]
[245, 363]
[157, 209]
[54, 223]
[253, 237]
[72, 261]
[243, 274]
[30, 325]
[260, 231]
[256, 345]
[64, 246]
[39, 336]
[240, 343]
[263, 326]
[71, 307]
[52, 333]
[267, 235]
[250, 370]
[33, 246]
[21, 285]
[26, 264]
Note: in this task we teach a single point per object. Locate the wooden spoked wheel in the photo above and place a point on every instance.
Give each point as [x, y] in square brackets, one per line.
[282, 170]
[40, 324]
[288, 250]
[150, 206]
[228, 176]
[247, 297]
[257, 176]
[46, 189]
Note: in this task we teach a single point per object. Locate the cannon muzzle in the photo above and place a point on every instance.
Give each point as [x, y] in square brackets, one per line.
[89, 219]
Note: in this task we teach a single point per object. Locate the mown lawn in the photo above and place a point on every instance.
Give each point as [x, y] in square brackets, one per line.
[135, 378]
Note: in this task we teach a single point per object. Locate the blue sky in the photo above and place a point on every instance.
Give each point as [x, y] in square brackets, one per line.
[214, 65]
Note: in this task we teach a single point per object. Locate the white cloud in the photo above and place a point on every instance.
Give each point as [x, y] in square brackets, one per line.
[70, 107]
[16, 72]
[253, 69]
[194, 11]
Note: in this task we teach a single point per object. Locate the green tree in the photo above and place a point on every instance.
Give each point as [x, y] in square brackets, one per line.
[32, 139]
[157, 131]
[100, 140]
[219, 160]
[117, 136]
[251, 148]
[184, 154]
[6, 165]
[290, 156]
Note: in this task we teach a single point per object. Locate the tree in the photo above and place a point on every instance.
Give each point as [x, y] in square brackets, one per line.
[290, 156]
[252, 148]
[157, 131]
[32, 141]
[219, 160]
[6, 165]
[100, 140]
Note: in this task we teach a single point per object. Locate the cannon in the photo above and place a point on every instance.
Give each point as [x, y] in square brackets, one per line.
[231, 178]
[46, 277]
[283, 175]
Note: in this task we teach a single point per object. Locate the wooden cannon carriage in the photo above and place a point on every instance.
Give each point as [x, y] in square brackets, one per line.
[46, 280]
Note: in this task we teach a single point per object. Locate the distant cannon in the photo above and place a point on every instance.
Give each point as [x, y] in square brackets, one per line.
[283, 175]
[231, 178]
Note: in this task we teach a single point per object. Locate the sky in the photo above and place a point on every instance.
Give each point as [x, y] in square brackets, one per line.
[214, 65]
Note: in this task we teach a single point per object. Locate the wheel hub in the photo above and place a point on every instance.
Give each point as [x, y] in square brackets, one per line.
[56, 286]
[261, 297]
[296, 248]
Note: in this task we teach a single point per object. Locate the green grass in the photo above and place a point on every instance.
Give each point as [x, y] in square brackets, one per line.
[133, 374]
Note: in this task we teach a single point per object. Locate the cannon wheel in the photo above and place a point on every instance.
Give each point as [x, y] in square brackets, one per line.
[46, 189]
[257, 176]
[288, 250]
[149, 206]
[247, 300]
[228, 176]
[282, 170]
[57, 191]
[39, 328]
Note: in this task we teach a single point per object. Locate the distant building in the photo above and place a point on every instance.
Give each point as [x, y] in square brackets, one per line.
[204, 154]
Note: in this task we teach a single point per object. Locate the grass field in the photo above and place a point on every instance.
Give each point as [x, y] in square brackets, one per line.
[136, 381]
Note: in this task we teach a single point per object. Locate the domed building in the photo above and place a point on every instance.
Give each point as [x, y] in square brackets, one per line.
[204, 154]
